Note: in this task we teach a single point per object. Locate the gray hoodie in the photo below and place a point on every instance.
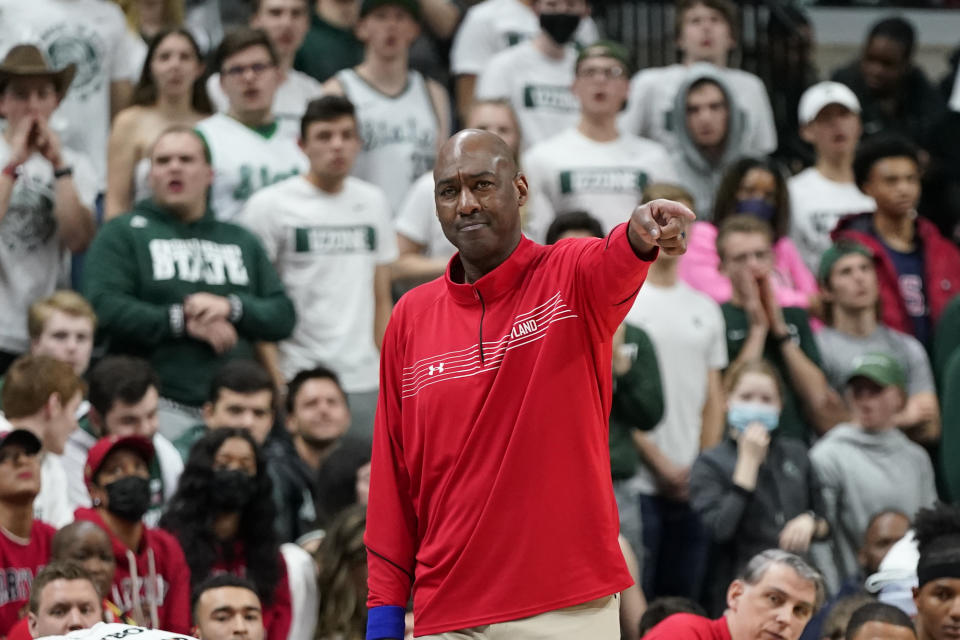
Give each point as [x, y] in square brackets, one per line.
[698, 175]
[861, 474]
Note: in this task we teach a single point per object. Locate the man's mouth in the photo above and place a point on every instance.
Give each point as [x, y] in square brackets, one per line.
[175, 185]
[471, 226]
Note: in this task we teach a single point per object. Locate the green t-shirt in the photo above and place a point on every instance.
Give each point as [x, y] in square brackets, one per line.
[637, 402]
[327, 49]
[792, 422]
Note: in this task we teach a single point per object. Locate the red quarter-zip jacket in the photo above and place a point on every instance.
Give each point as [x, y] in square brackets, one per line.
[490, 490]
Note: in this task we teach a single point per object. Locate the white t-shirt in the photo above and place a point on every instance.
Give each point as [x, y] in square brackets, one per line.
[31, 253]
[816, 203]
[116, 630]
[326, 248]
[399, 133]
[538, 88]
[51, 504]
[650, 107]
[289, 102]
[246, 160]
[93, 35]
[493, 25]
[417, 219]
[570, 172]
[687, 331]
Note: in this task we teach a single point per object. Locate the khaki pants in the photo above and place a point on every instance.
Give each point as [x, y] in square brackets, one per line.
[595, 620]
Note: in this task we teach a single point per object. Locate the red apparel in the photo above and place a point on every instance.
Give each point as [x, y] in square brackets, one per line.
[169, 590]
[491, 468]
[278, 616]
[687, 626]
[21, 630]
[20, 563]
[941, 276]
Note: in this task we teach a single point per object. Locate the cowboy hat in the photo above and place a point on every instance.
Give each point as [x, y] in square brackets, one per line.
[28, 60]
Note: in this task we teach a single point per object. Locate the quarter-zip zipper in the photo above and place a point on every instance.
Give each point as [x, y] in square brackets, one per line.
[483, 312]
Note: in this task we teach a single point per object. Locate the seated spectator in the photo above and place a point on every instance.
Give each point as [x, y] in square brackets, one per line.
[879, 620]
[330, 44]
[152, 579]
[851, 305]
[42, 395]
[340, 479]
[758, 327]
[84, 543]
[535, 76]
[754, 187]
[853, 461]
[285, 22]
[709, 133]
[343, 577]
[92, 35]
[63, 598]
[662, 608]
[822, 194]
[341, 260]
[245, 145]
[775, 596]
[706, 31]
[688, 325]
[594, 167]
[489, 27]
[222, 515]
[61, 326]
[151, 276]
[25, 548]
[835, 624]
[895, 94]
[424, 250]
[756, 490]
[169, 93]
[884, 530]
[226, 607]
[124, 392]
[573, 224]
[241, 396]
[917, 268]
[47, 191]
[937, 595]
[402, 117]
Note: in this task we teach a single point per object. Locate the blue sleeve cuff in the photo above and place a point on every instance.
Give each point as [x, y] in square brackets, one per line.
[385, 622]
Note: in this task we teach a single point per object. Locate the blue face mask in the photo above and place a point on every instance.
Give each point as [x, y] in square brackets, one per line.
[756, 207]
[741, 414]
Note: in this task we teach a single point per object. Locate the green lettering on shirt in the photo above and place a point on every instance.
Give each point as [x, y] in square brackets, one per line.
[336, 240]
[549, 98]
[602, 180]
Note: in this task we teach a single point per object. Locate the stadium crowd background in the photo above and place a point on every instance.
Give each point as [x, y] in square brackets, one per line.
[208, 209]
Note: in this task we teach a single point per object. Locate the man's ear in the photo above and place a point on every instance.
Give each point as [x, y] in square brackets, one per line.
[207, 413]
[523, 189]
[734, 591]
[98, 422]
[32, 621]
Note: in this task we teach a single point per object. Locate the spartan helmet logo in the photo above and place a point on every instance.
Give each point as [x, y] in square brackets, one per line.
[79, 45]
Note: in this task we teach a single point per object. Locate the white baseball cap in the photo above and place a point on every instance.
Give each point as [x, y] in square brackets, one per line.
[822, 94]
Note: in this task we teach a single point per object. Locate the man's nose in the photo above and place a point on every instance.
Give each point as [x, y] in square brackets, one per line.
[467, 203]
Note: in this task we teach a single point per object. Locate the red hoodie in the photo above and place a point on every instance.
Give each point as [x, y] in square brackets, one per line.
[491, 469]
[19, 563]
[941, 268]
[169, 572]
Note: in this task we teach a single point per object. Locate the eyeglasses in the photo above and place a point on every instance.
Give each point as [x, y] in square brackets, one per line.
[607, 73]
[241, 70]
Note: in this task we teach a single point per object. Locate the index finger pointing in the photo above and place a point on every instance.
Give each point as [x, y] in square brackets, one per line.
[665, 210]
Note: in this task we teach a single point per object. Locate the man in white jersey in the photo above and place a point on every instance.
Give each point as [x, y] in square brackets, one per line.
[705, 32]
[820, 195]
[285, 22]
[91, 34]
[536, 75]
[594, 167]
[330, 238]
[402, 115]
[247, 150]
[47, 192]
[488, 28]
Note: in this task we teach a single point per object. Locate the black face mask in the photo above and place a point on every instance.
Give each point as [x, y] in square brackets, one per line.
[231, 489]
[559, 26]
[128, 498]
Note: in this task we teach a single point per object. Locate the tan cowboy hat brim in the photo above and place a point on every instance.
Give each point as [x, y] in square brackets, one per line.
[61, 78]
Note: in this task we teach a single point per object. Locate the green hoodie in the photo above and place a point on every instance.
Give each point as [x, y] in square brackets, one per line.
[142, 265]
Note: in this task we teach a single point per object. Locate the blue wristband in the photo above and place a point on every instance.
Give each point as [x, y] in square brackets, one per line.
[385, 622]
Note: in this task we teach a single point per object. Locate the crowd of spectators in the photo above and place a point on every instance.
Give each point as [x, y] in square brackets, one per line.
[209, 207]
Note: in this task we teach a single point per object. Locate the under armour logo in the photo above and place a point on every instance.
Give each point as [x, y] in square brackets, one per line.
[438, 369]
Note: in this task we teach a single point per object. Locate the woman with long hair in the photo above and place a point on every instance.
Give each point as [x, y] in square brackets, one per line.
[755, 187]
[223, 515]
[170, 93]
[342, 560]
